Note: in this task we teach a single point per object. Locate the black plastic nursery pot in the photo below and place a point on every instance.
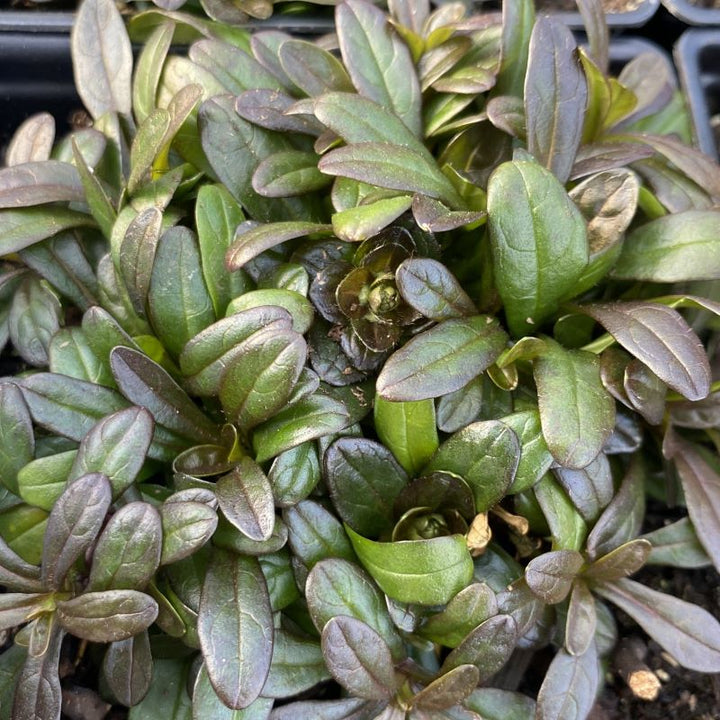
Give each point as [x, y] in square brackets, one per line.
[702, 12]
[697, 56]
[36, 77]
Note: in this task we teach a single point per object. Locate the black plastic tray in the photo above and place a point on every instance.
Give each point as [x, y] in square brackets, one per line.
[693, 14]
[697, 57]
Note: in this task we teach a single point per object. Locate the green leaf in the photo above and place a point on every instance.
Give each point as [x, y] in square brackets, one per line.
[448, 690]
[297, 665]
[496, 704]
[315, 534]
[312, 68]
[355, 224]
[534, 266]
[567, 526]
[430, 288]
[289, 172]
[535, 458]
[488, 647]
[486, 455]
[426, 572]
[260, 378]
[116, 447]
[294, 473]
[300, 309]
[107, 616]
[391, 166]
[555, 95]
[364, 480]
[17, 440]
[246, 499]
[70, 353]
[358, 658]
[102, 58]
[235, 628]
[550, 575]
[378, 61]
[24, 227]
[148, 70]
[73, 525]
[234, 148]
[22, 530]
[179, 304]
[459, 408]
[167, 695]
[337, 587]
[67, 406]
[659, 337]
[128, 668]
[442, 359]
[37, 691]
[570, 686]
[100, 204]
[469, 608]
[308, 419]
[36, 183]
[207, 704]
[127, 553]
[17, 608]
[186, 527]
[408, 430]
[358, 119]
[251, 240]
[576, 413]
[689, 633]
[42, 481]
[148, 385]
[217, 215]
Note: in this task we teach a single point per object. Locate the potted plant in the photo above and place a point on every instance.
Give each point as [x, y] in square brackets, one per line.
[338, 372]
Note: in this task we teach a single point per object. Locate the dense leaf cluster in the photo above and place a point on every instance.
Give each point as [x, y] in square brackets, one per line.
[343, 368]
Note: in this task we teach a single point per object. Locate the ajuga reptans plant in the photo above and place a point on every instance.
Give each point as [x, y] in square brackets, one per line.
[337, 372]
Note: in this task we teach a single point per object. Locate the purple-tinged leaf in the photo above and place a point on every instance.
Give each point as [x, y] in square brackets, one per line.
[677, 545]
[128, 668]
[621, 520]
[36, 183]
[448, 690]
[17, 575]
[73, 525]
[17, 440]
[699, 414]
[107, 616]
[186, 526]
[378, 61]
[550, 576]
[102, 58]
[442, 359]
[38, 695]
[24, 227]
[433, 216]
[207, 704]
[581, 620]
[590, 488]
[659, 337]
[488, 647]
[250, 241]
[116, 447]
[246, 499]
[32, 141]
[148, 385]
[701, 486]
[555, 96]
[358, 658]
[569, 688]
[312, 68]
[270, 109]
[16, 607]
[620, 562]
[235, 628]
[127, 553]
[689, 633]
